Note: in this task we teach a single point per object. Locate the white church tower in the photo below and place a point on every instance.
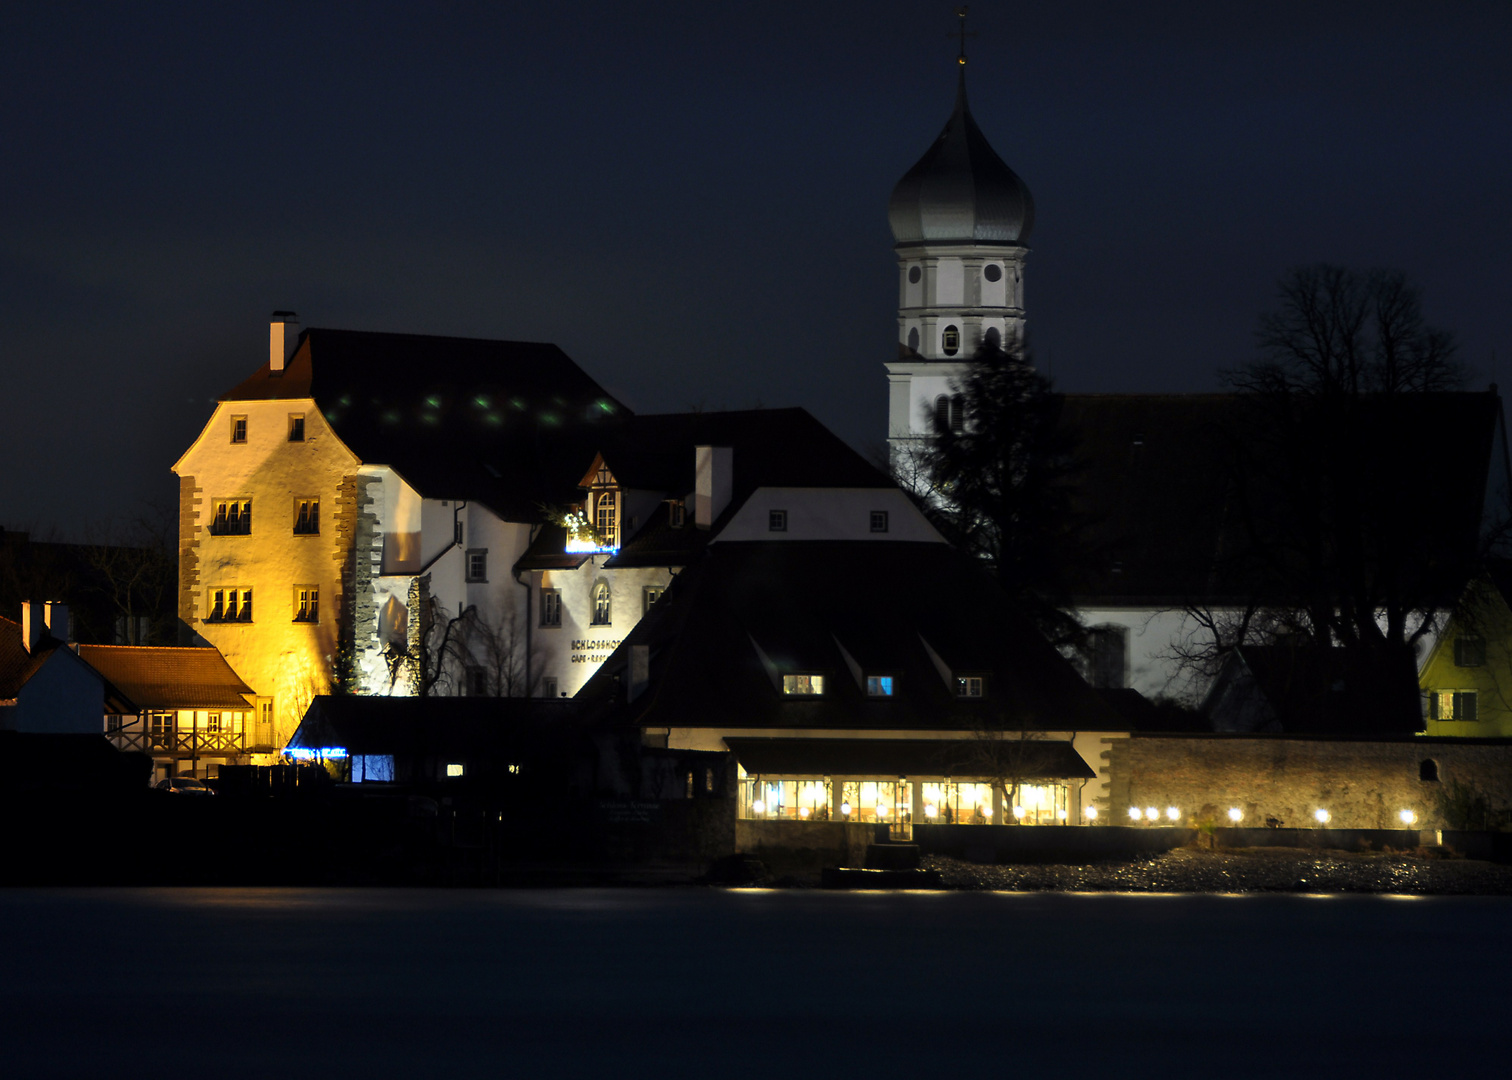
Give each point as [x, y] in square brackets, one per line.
[960, 218]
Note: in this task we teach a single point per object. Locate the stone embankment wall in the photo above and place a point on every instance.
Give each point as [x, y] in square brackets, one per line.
[1284, 781]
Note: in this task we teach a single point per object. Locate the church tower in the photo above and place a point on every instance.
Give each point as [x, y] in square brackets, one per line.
[960, 218]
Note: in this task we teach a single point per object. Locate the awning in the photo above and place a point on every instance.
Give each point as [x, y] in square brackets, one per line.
[1049, 759]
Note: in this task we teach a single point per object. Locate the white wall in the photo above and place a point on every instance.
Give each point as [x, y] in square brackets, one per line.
[64, 697]
[828, 514]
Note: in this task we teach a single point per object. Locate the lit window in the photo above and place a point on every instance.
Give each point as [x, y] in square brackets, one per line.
[605, 519]
[454, 769]
[812, 685]
[879, 521]
[306, 603]
[233, 517]
[230, 604]
[652, 594]
[1452, 705]
[969, 686]
[551, 607]
[777, 521]
[1469, 652]
[549, 686]
[879, 686]
[306, 517]
[477, 564]
[238, 429]
[950, 340]
[603, 614]
[296, 427]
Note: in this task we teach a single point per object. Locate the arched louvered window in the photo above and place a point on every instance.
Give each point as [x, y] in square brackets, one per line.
[602, 613]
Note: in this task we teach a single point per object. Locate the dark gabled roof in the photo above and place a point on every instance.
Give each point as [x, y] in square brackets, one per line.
[457, 417]
[1166, 524]
[656, 453]
[152, 677]
[17, 665]
[431, 726]
[746, 613]
[1048, 759]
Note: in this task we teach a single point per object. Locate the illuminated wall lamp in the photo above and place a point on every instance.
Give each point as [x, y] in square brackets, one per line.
[1091, 813]
[1135, 813]
[1172, 814]
[1152, 814]
[930, 811]
[758, 807]
[1235, 814]
[1408, 817]
[1322, 815]
[1018, 812]
[845, 809]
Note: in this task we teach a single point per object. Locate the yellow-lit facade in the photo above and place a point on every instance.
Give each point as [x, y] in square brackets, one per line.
[1467, 679]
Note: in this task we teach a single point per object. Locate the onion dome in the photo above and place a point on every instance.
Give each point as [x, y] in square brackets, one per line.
[961, 192]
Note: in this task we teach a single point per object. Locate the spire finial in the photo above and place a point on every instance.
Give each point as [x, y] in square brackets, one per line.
[960, 32]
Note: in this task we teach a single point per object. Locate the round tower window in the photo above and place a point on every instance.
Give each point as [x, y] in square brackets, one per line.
[994, 272]
[914, 274]
[950, 340]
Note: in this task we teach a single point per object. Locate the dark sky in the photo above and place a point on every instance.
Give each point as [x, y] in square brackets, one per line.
[691, 198]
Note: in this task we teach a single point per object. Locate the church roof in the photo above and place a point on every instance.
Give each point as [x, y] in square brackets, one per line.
[456, 417]
[960, 191]
[1166, 524]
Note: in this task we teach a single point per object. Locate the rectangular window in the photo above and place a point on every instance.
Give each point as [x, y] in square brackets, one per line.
[454, 769]
[1469, 652]
[233, 517]
[477, 682]
[777, 521]
[213, 723]
[652, 594]
[801, 685]
[230, 603]
[551, 607]
[549, 686]
[879, 521]
[296, 427]
[879, 686]
[306, 603]
[1457, 705]
[477, 564]
[677, 514]
[969, 686]
[238, 429]
[306, 517]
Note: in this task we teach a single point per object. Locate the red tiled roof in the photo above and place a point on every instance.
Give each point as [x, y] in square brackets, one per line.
[156, 677]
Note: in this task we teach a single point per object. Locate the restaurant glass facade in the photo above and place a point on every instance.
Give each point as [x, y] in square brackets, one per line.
[899, 801]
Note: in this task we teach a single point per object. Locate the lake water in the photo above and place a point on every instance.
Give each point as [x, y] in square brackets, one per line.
[776, 984]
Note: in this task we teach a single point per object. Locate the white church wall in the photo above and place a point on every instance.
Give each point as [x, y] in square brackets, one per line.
[828, 514]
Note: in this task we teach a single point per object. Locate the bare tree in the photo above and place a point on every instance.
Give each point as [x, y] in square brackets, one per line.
[500, 648]
[433, 661]
[135, 571]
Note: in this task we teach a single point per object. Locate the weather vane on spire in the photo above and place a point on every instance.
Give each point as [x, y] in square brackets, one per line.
[961, 32]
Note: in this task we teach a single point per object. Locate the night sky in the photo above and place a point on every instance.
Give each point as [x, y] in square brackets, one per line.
[691, 199]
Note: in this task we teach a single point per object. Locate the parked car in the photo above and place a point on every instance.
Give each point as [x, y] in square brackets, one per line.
[184, 785]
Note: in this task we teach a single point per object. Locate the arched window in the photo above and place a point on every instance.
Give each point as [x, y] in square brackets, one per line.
[950, 340]
[994, 338]
[913, 339]
[605, 519]
[602, 613]
[1428, 771]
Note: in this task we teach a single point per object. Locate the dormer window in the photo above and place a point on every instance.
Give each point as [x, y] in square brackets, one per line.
[606, 518]
[879, 686]
[968, 686]
[803, 685]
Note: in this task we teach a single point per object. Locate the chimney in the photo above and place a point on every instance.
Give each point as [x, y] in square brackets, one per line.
[283, 335]
[715, 474]
[31, 626]
[56, 617]
[640, 671]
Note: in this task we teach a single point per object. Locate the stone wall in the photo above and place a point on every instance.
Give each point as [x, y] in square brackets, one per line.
[1282, 781]
[188, 557]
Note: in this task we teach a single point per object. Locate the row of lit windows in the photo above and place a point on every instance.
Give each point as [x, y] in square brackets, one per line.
[812, 685]
[296, 428]
[233, 517]
[602, 611]
[777, 521]
[897, 802]
[232, 603]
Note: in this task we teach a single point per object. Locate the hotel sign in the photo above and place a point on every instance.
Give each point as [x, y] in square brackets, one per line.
[593, 652]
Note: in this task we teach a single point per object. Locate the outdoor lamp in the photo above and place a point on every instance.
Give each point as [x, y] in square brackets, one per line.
[930, 811]
[1408, 817]
[1235, 814]
[803, 811]
[1091, 812]
[845, 809]
[881, 810]
[987, 811]
[1172, 813]
[1061, 814]
[1134, 813]
[1322, 815]
[1152, 814]
[1018, 812]
[758, 807]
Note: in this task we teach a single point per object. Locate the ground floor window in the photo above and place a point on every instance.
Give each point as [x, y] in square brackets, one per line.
[901, 802]
[785, 800]
[889, 802]
[952, 803]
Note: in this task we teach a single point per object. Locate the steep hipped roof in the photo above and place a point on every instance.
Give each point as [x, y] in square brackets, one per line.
[1167, 523]
[457, 417]
[745, 614]
[165, 677]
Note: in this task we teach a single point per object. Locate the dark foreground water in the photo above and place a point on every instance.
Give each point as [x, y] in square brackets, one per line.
[674, 983]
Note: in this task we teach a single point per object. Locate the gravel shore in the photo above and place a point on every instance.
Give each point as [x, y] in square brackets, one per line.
[1243, 870]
